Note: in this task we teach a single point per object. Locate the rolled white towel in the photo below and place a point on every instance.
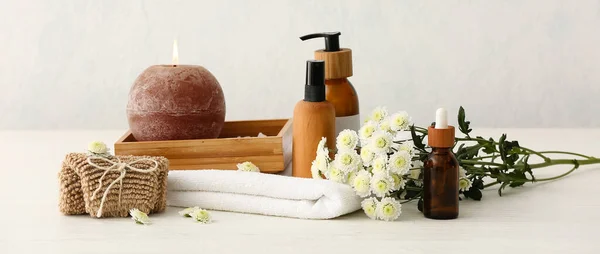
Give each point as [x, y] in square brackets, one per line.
[258, 193]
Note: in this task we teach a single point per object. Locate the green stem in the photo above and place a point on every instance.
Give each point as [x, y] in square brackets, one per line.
[472, 139]
[474, 162]
[486, 157]
[556, 177]
[490, 184]
[401, 141]
[536, 153]
[406, 201]
[567, 153]
[551, 162]
[413, 188]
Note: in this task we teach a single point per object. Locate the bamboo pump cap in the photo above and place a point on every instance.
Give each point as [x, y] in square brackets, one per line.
[338, 61]
[441, 135]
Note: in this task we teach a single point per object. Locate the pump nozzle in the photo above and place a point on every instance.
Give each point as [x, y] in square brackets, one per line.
[332, 40]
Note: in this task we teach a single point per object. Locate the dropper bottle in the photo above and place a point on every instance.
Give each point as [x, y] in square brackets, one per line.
[440, 184]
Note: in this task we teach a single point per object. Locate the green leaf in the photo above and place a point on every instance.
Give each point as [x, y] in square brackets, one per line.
[516, 184]
[463, 125]
[504, 184]
[488, 146]
[478, 183]
[417, 141]
[527, 167]
[474, 193]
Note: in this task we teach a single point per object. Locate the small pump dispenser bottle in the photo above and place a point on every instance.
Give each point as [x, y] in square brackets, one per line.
[440, 184]
[314, 118]
[339, 91]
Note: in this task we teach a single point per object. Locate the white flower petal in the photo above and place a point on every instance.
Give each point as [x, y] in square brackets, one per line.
[248, 167]
[400, 162]
[389, 209]
[202, 216]
[381, 185]
[369, 206]
[139, 216]
[186, 212]
[400, 121]
[379, 165]
[380, 142]
[97, 147]
[347, 140]
[378, 114]
[347, 160]
[464, 184]
[362, 183]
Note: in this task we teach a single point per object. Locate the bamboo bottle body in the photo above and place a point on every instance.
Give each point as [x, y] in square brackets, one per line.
[440, 185]
[344, 98]
[312, 121]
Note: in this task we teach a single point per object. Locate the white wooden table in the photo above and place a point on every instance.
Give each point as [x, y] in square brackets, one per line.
[553, 217]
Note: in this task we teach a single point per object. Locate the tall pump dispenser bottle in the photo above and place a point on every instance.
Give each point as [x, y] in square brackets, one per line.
[314, 118]
[440, 183]
[339, 91]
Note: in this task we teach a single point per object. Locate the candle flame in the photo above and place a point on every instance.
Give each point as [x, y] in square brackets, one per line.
[175, 53]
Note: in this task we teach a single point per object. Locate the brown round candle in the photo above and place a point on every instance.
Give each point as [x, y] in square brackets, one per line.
[169, 102]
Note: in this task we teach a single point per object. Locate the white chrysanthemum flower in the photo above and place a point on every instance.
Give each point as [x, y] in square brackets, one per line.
[379, 165]
[362, 183]
[400, 121]
[335, 174]
[321, 162]
[367, 155]
[322, 149]
[347, 140]
[369, 206]
[388, 209]
[462, 173]
[201, 215]
[97, 147]
[384, 125]
[464, 184]
[315, 172]
[407, 146]
[347, 160]
[381, 185]
[399, 162]
[399, 182]
[186, 212]
[414, 173]
[248, 167]
[380, 142]
[378, 114]
[139, 217]
[366, 131]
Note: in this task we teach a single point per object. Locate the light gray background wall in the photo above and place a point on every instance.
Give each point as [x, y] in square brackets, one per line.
[515, 63]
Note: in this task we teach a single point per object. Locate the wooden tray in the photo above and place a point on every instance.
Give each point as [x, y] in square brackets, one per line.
[271, 154]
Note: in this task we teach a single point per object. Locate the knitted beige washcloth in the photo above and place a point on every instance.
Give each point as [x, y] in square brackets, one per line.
[146, 191]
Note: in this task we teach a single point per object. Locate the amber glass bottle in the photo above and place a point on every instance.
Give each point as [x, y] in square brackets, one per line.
[440, 193]
[440, 182]
[342, 95]
[340, 92]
